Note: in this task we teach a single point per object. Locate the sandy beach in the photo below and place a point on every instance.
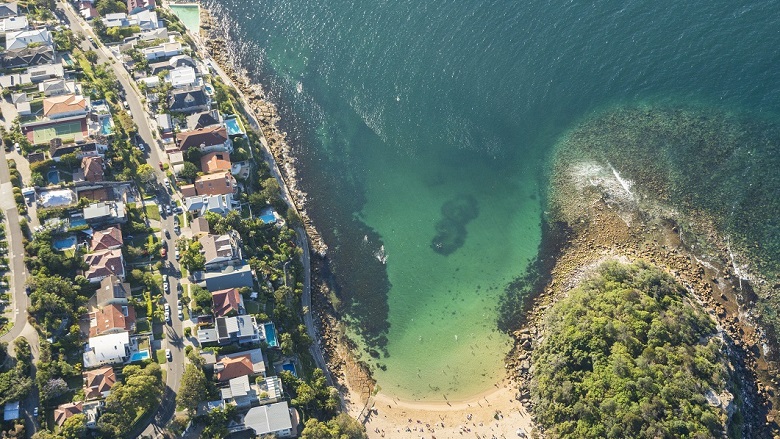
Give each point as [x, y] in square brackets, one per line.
[494, 413]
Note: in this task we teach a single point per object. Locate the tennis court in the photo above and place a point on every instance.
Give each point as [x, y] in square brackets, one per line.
[67, 131]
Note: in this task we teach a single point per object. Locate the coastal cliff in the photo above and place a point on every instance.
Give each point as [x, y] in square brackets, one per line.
[602, 209]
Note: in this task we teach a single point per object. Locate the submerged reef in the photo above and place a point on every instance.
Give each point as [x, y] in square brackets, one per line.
[451, 233]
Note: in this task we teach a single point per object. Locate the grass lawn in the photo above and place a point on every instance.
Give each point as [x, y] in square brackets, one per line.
[142, 325]
[160, 356]
[252, 307]
[152, 212]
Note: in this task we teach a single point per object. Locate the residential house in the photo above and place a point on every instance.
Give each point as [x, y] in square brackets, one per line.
[146, 20]
[188, 100]
[57, 87]
[10, 9]
[219, 250]
[199, 227]
[57, 149]
[21, 39]
[91, 412]
[111, 319]
[27, 57]
[98, 382]
[161, 33]
[239, 392]
[118, 19]
[210, 139]
[200, 204]
[235, 365]
[182, 77]
[109, 238]
[228, 277]
[164, 123]
[160, 51]
[65, 411]
[112, 291]
[272, 419]
[92, 167]
[270, 390]
[241, 329]
[204, 119]
[227, 301]
[57, 107]
[22, 103]
[43, 72]
[88, 11]
[151, 82]
[103, 264]
[105, 213]
[107, 349]
[215, 162]
[218, 183]
[13, 24]
[11, 411]
[134, 6]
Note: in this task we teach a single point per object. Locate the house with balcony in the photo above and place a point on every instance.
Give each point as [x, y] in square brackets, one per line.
[231, 366]
[112, 212]
[106, 350]
[99, 382]
[160, 51]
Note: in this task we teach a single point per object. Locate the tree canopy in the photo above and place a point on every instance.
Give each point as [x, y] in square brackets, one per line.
[627, 355]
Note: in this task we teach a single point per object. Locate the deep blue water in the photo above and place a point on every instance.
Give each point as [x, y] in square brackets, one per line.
[412, 120]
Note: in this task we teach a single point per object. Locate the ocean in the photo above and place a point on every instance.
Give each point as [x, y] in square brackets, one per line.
[423, 132]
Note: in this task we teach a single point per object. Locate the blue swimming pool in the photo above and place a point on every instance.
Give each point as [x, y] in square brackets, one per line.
[289, 367]
[270, 335]
[233, 127]
[105, 127]
[139, 356]
[75, 222]
[53, 177]
[268, 218]
[64, 243]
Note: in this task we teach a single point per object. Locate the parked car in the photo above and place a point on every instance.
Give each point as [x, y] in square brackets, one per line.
[177, 229]
[168, 210]
[124, 104]
[35, 412]
[178, 209]
[167, 182]
[181, 315]
[177, 254]
[165, 277]
[166, 288]
[167, 233]
[168, 355]
[161, 166]
[163, 252]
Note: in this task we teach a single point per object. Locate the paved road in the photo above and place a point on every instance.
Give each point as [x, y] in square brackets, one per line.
[18, 280]
[154, 157]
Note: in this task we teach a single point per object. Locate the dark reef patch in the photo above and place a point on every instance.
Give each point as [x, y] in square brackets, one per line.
[451, 228]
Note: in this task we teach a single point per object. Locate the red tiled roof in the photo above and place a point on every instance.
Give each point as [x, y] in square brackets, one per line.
[98, 381]
[65, 411]
[225, 301]
[111, 317]
[214, 162]
[107, 239]
[220, 183]
[209, 136]
[63, 104]
[104, 263]
[93, 168]
[235, 367]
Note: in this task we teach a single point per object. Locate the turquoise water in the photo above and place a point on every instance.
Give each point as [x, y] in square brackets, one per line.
[64, 243]
[139, 356]
[422, 132]
[233, 127]
[270, 335]
[105, 126]
[189, 14]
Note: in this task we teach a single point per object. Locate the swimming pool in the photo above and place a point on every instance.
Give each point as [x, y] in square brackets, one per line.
[268, 218]
[105, 127]
[53, 177]
[233, 127]
[289, 367]
[78, 221]
[270, 335]
[139, 356]
[64, 243]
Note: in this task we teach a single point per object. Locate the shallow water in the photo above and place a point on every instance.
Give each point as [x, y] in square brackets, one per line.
[423, 129]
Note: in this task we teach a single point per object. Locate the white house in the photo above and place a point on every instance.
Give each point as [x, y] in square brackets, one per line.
[118, 19]
[221, 204]
[13, 24]
[20, 39]
[163, 50]
[146, 20]
[107, 349]
[270, 419]
[182, 77]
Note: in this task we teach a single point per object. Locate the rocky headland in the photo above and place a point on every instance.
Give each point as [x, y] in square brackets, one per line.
[600, 214]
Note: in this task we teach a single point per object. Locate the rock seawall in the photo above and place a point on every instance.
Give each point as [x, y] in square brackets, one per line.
[264, 117]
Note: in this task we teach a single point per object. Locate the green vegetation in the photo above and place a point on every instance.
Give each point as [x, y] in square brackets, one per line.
[626, 355]
[137, 395]
[342, 426]
[15, 383]
[194, 387]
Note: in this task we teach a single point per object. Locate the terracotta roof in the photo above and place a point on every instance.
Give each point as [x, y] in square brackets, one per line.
[107, 239]
[225, 301]
[214, 162]
[104, 263]
[199, 226]
[65, 411]
[100, 194]
[63, 104]
[209, 136]
[219, 183]
[188, 190]
[93, 168]
[111, 317]
[234, 367]
[98, 381]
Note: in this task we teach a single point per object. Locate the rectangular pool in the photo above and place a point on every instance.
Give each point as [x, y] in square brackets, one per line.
[233, 127]
[139, 356]
[270, 335]
[64, 243]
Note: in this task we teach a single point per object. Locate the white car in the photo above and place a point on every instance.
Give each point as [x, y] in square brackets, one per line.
[168, 355]
[177, 254]
[166, 287]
